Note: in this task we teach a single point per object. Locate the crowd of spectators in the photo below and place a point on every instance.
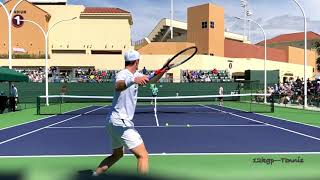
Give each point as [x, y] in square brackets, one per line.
[94, 75]
[77, 75]
[291, 91]
[81, 74]
[205, 76]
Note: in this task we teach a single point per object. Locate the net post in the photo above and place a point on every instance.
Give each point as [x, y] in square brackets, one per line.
[38, 105]
[251, 102]
[155, 110]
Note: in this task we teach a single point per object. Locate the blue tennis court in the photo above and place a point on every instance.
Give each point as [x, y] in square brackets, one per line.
[184, 129]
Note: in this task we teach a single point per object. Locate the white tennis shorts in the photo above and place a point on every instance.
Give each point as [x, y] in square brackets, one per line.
[123, 136]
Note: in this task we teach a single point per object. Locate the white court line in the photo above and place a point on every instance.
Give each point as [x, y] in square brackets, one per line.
[250, 119]
[43, 118]
[26, 122]
[99, 127]
[274, 117]
[169, 154]
[78, 127]
[31, 132]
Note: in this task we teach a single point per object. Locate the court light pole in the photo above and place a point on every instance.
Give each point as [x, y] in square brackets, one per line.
[46, 36]
[265, 56]
[171, 21]
[249, 13]
[244, 5]
[305, 55]
[9, 16]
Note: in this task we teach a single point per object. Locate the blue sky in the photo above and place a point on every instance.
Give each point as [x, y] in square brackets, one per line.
[276, 16]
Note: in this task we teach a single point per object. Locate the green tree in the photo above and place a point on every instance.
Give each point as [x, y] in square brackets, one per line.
[317, 45]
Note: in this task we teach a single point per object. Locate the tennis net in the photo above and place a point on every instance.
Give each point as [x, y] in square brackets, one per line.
[101, 105]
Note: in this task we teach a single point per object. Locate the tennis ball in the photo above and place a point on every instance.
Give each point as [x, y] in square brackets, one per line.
[167, 124]
[188, 125]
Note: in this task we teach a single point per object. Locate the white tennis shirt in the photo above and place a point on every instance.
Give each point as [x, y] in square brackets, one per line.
[124, 102]
[221, 91]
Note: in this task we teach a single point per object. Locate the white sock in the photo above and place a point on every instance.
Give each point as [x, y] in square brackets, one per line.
[94, 173]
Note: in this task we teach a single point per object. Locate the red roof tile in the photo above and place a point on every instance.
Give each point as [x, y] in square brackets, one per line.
[234, 49]
[104, 10]
[292, 37]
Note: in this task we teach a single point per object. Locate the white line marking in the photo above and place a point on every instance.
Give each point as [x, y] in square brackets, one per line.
[277, 117]
[95, 110]
[31, 132]
[183, 126]
[288, 120]
[78, 127]
[22, 135]
[288, 130]
[169, 154]
[26, 122]
[43, 118]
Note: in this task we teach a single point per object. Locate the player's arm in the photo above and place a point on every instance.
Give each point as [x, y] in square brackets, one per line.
[122, 85]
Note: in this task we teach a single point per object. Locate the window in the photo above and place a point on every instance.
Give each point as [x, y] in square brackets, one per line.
[211, 24]
[204, 24]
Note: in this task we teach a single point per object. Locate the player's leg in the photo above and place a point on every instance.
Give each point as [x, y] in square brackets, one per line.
[110, 160]
[115, 134]
[134, 143]
[142, 156]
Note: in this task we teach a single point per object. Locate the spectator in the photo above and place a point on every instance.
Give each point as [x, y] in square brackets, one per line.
[13, 98]
[144, 71]
[63, 89]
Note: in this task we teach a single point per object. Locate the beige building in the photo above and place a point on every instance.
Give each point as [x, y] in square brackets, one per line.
[95, 38]
[98, 38]
[221, 50]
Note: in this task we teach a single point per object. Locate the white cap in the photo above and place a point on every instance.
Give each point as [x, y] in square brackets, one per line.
[131, 55]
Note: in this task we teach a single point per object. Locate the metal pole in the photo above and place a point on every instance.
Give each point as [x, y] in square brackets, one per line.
[46, 36]
[244, 22]
[171, 26]
[46, 71]
[265, 57]
[305, 55]
[10, 33]
[244, 4]
[9, 19]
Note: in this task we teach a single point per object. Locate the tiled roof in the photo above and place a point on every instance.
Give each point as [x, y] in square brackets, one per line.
[104, 10]
[235, 49]
[292, 37]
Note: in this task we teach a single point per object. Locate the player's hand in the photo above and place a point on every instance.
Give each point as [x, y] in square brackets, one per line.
[143, 80]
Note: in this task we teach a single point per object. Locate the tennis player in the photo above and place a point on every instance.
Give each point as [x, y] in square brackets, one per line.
[221, 96]
[154, 90]
[120, 126]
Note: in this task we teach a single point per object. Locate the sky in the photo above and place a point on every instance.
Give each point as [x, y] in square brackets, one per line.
[275, 16]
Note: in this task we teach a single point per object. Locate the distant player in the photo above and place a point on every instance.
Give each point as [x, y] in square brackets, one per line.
[221, 96]
[154, 91]
[120, 126]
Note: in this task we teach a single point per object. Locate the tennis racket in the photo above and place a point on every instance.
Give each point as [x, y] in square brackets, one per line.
[177, 60]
